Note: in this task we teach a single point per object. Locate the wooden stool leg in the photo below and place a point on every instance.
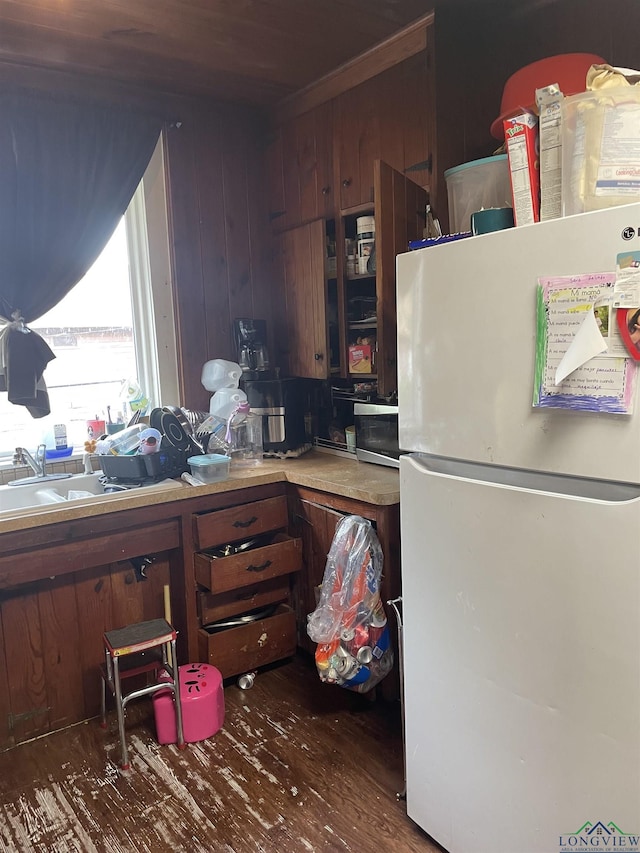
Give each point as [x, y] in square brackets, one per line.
[103, 705]
[124, 763]
[176, 681]
[106, 676]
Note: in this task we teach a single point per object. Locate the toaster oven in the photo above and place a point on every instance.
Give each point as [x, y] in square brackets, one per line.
[377, 433]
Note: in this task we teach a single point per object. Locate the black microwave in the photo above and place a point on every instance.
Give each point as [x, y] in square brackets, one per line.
[377, 433]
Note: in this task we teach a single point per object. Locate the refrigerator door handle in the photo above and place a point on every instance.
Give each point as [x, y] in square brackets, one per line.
[562, 486]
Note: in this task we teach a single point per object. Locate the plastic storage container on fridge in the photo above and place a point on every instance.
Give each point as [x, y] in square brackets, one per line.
[474, 186]
[600, 154]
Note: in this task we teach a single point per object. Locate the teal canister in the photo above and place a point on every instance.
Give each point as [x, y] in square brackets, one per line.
[491, 219]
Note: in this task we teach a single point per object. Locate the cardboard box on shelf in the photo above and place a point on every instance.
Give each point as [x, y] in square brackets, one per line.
[521, 135]
[360, 359]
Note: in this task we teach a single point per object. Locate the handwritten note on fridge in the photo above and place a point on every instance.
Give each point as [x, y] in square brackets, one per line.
[580, 357]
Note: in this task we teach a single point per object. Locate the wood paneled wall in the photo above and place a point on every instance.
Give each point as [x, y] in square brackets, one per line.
[221, 243]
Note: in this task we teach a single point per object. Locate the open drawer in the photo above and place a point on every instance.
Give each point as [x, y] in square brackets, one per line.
[246, 647]
[214, 606]
[221, 574]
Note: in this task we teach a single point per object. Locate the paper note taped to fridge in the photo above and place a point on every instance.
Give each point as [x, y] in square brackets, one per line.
[578, 346]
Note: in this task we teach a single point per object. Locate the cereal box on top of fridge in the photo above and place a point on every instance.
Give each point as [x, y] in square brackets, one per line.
[521, 136]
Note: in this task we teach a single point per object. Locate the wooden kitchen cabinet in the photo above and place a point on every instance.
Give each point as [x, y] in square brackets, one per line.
[316, 525]
[234, 582]
[314, 516]
[314, 149]
[312, 348]
[356, 143]
[370, 309]
[61, 588]
[400, 216]
[324, 312]
[387, 117]
[299, 162]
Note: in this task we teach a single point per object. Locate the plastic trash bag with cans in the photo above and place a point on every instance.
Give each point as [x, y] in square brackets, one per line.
[349, 624]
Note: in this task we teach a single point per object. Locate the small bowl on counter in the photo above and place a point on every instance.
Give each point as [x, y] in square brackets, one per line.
[210, 468]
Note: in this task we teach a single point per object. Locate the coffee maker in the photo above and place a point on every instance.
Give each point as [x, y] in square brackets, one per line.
[280, 402]
[250, 338]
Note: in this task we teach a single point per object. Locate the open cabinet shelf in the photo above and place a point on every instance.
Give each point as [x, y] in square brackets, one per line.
[327, 312]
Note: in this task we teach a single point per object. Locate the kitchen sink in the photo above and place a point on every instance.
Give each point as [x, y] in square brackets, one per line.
[79, 487]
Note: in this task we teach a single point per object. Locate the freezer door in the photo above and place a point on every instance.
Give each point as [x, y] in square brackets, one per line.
[466, 349]
[522, 657]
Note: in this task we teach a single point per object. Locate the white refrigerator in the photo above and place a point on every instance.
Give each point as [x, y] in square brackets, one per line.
[520, 531]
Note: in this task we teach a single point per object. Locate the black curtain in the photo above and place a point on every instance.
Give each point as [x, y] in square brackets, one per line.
[68, 171]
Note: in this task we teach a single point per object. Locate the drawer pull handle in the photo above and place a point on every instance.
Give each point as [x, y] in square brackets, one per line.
[261, 568]
[246, 523]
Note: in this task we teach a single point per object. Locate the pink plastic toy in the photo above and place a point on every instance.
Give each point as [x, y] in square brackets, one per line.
[202, 699]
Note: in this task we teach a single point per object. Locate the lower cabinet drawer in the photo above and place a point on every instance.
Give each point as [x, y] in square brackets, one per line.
[240, 522]
[221, 574]
[241, 649]
[213, 606]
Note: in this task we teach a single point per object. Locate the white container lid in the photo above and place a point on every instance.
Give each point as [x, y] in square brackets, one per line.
[485, 161]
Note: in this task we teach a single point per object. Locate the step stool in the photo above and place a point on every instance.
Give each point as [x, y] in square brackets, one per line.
[139, 648]
[202, 701]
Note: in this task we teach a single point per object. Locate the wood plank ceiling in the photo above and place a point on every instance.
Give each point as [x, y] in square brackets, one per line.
[256, 51]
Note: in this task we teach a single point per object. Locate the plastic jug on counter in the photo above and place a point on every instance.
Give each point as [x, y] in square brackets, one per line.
[225, 402]
[220, 373]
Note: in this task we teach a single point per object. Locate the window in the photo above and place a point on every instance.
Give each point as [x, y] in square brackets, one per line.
[107, 329]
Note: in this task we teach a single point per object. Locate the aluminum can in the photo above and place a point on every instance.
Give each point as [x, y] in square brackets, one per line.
[378, 616]
[245, 682]
[347, 634]
[346, 666]
[365, 655]
[361, 637]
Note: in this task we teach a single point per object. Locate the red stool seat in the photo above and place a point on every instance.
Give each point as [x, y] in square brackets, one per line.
[202, 701]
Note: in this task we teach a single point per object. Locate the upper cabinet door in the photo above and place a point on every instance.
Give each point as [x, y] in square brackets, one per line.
[400, 217]
[300, 169]
[314, 133]
[302, 261]
[387, 117]
[356, 143]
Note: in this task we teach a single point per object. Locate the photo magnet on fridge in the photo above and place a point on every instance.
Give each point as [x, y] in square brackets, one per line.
[629, 327]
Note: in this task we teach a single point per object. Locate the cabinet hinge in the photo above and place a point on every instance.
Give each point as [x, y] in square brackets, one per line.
[424, 164]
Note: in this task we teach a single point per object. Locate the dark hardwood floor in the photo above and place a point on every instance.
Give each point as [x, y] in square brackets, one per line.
[298, 766]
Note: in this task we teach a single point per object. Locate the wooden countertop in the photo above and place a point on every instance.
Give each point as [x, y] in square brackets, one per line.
[338, 475]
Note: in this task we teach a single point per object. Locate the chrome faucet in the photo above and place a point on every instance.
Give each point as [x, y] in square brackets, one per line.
[37, 465]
